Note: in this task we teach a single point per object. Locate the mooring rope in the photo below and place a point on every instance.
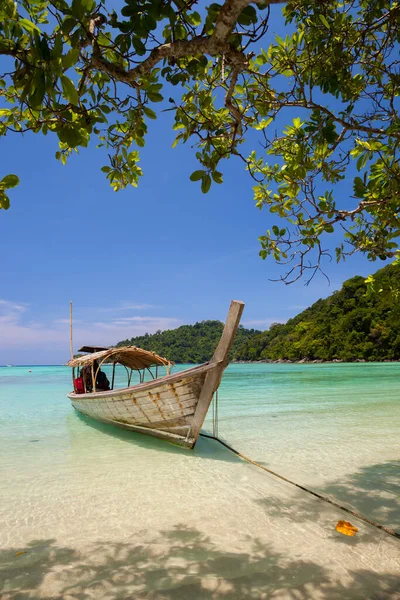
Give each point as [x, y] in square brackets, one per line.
[354, 513]
[215, 415]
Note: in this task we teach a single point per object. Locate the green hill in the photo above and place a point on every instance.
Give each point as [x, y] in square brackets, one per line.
[348, 326]
[189, 343]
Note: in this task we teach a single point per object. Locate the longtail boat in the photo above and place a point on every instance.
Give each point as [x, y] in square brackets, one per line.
[172, 407]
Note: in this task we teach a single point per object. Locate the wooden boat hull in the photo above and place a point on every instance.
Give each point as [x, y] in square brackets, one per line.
[172, 407]
[162, 408]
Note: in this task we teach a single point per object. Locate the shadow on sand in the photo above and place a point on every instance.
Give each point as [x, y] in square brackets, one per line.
[374, 491]
[180, 564]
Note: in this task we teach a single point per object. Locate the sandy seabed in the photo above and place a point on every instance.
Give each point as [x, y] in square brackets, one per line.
[88, 511]
[181, 526]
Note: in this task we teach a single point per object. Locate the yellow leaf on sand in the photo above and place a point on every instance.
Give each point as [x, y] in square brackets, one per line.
[19, 553]
[346, 528]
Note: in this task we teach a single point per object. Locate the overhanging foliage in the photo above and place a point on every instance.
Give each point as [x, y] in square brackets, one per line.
[81, 69]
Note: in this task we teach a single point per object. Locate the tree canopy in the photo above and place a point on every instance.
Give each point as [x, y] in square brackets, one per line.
[80, 69]
[349, 325]
[189, 343]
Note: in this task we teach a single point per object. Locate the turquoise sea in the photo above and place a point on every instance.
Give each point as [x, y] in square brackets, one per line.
[91, 511]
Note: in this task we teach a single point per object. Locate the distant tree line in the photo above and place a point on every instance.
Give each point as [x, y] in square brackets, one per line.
[351, 324]
[355, 323]
[189, 343]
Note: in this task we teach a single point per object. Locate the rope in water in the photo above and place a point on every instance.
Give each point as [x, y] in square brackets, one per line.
[215, 415]
[354, 513]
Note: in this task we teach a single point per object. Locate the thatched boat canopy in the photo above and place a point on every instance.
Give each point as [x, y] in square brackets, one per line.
[93, 348]
[128, 356]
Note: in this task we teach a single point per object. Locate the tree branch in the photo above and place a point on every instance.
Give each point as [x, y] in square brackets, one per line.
[235, 112]
[213, 45]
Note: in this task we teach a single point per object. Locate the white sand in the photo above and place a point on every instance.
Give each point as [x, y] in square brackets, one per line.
[143, 523]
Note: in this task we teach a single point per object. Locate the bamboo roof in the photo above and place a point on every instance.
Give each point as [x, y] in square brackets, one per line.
[93, 348]
[129, 356]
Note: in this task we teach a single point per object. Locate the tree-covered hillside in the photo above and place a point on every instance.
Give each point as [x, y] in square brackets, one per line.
[189, 343]
[349, 325]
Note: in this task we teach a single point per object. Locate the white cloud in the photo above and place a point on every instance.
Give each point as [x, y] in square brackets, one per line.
[256, 322]
[66, 321]
[7, 307]
[18, 332]
[126, 306]
[127, 320]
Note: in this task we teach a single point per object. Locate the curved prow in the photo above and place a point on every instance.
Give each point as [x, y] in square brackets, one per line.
[228, 334]
[220, 358]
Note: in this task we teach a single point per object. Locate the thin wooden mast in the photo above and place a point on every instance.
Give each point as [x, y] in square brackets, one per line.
[70, 331]
[71, 347]
[220, 358]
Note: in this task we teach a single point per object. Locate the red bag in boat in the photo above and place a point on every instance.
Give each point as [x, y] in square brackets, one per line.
[78, 385]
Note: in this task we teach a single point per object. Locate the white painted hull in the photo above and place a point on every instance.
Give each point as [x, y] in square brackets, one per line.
[163, 408]
[172, 407]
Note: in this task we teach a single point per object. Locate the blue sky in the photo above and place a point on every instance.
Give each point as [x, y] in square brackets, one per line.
[135, 261]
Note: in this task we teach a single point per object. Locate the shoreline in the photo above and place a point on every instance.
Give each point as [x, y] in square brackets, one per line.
[279, 361]
[303, 361]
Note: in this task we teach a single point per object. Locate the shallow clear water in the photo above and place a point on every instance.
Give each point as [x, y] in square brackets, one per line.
[203, 523]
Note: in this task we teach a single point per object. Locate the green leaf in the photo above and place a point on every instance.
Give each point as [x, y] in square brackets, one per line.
[324, 21]
[217, 177]
[197, 175]
[194, 18]
[70, 59]
[39, 85]
[28, 25]
[248, 16]
[149, 23]
[69, 135]
[58, 46]
[359, 187]
[80, 7]
[138, 45]
[68, 24]
[69, 90]
[155, 97]
[176, 140]
[328, 228]
[205, 184]
[4, 201]
[9, 181]
[129, 11]
[362, 161]
[77, 9]
[180, 32]
[263, 123]
[261, 59]
[59, 4]
[149, 113]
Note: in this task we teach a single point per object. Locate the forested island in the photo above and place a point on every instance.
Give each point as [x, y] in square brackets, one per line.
[349, 325]
[190, 343]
